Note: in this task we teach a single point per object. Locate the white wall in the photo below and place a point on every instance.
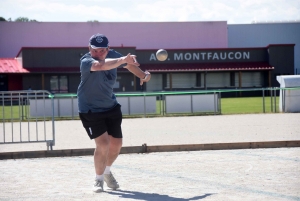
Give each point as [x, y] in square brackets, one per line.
[261, 35]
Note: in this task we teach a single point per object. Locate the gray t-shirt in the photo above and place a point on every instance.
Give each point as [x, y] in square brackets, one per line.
[95, 91]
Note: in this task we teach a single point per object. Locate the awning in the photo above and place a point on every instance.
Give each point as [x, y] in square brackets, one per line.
[11, 65]
[55, 70]
[242, 66]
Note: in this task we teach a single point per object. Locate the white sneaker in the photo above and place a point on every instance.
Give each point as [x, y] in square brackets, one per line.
[111, 181]
[98, 186]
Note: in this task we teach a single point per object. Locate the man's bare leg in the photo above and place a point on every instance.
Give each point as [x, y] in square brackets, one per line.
[114, 150]
[101, 153]
[115, 145]
[100, 157]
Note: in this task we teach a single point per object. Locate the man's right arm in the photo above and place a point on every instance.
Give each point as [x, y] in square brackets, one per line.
[109, 64]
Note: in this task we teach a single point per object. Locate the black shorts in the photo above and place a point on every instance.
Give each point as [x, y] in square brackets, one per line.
[98, 123]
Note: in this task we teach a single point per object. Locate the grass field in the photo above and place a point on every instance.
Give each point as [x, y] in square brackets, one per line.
[228, 106]
[14, 112]
[247, 105]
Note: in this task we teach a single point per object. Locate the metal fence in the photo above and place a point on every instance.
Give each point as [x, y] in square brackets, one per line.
[28, 116]
[35, 105]
[148, 104]
[18, 123]
[162, 103]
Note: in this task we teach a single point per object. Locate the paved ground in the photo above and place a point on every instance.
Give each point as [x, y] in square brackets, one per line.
[252, 174]
[171, 130]
[245, 174]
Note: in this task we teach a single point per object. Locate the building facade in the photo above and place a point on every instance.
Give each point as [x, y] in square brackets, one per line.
[57, 69]
[198, 56]
[263, 34]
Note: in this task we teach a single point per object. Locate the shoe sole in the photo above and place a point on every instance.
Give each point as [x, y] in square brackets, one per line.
[113, 188]
[98, 191]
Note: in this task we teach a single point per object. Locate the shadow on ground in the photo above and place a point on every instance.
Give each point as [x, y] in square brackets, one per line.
[152, 196]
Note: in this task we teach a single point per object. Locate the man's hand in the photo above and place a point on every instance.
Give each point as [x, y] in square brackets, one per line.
[146, 78]
[131, 60]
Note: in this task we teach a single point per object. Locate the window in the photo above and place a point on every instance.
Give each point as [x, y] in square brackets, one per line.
[218, 79]
[182, 80]
[249, 79]
[59, 84]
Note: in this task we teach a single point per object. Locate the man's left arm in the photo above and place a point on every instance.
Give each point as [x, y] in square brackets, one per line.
[144, 76]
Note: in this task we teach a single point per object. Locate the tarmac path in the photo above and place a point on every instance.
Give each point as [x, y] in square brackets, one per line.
[242, 174]
[246, 174]
[176, 130]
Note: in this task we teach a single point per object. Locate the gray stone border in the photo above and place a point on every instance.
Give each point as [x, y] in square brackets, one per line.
[148, 149]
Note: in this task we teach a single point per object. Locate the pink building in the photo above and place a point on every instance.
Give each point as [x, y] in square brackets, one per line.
[142, 35]
[45, 55]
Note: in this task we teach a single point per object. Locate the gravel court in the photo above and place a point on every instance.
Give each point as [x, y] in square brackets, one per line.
[247, 174]
[175, 130]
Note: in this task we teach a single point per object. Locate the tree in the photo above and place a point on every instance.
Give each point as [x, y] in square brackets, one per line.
[2, 19]
[24, 19]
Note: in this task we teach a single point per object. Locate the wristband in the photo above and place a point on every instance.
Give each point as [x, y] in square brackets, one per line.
[146, 76]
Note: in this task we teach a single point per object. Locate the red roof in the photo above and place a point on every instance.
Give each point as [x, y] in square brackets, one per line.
[55, 70]
[11, 65]
[241, 66]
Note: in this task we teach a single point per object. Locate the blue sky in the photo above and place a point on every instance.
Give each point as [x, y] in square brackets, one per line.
[232, 11]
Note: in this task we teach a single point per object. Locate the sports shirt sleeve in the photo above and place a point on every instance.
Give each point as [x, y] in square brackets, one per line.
[86, 64]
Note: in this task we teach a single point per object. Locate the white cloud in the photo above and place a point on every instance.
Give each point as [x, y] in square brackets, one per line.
[233, 11]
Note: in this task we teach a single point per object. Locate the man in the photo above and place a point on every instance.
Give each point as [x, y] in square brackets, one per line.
[99, 110]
